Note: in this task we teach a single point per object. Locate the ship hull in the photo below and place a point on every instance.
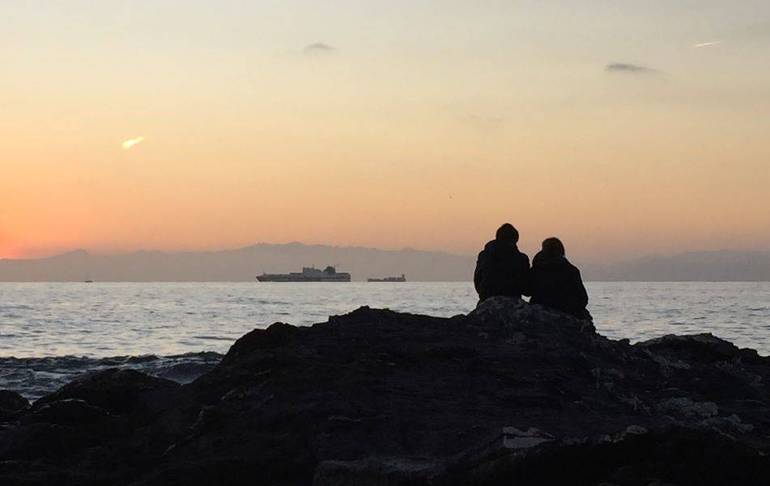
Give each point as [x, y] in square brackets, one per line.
[402, 278]
[298, 279]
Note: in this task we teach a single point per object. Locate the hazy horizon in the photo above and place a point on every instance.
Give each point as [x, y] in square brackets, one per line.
[243, 264]
[627, 128]
[530, 250]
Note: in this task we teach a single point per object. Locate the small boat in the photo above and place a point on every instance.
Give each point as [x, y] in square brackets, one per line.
[402, 278]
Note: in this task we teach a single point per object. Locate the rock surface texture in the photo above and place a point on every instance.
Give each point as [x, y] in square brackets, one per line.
[509, 394]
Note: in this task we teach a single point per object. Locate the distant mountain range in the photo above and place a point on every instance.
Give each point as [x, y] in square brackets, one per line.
[242, 264]
[702, 266]
[245, 263]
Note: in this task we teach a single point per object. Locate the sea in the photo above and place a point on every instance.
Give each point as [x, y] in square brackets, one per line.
[52, 332]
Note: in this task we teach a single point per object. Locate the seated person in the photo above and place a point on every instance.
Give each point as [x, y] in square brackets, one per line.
[556, 283]
[501, 269]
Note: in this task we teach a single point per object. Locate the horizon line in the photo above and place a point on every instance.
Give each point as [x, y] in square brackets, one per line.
[120, 253]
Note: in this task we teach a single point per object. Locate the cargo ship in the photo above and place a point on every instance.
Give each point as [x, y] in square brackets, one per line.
[308, 274]
[402, 278]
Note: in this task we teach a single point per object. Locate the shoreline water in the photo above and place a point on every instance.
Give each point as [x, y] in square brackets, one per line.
[50, 333]
[102, 320]
[36, 377]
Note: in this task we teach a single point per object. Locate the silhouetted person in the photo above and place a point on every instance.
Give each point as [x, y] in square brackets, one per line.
[501, 269]
[556, 283]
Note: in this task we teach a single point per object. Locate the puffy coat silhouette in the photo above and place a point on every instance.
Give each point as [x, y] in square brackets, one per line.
[501, 270]
[557, 283]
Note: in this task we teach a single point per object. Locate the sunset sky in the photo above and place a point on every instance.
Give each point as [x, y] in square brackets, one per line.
[625, 127]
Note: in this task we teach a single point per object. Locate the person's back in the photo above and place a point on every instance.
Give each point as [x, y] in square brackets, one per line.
[501, 269]
[557, 283]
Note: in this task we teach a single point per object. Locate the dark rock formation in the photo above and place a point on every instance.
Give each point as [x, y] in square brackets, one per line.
[11, 404]
[510, 394]
[117, 391]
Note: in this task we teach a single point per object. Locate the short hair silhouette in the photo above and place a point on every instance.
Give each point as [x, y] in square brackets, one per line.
[507, 232]
[553, 247]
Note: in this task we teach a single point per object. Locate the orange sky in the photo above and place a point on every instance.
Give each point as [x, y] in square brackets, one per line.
[424, 131]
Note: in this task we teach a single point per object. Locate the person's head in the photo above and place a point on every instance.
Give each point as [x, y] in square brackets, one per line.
[507, 234]
[553, 247]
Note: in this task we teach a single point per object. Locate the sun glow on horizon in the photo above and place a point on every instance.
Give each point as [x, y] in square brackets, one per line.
[10, 253]
[427, 125]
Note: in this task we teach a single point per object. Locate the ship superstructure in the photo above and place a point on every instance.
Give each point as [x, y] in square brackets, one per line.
[308, 274]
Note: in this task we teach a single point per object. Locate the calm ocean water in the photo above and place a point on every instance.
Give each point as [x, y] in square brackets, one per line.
[56, 330]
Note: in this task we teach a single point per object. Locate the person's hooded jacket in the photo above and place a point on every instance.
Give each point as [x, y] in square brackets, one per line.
[557, 283]
[501, 270]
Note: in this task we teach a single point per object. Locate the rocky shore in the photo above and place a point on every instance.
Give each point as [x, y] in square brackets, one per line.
[509, 394]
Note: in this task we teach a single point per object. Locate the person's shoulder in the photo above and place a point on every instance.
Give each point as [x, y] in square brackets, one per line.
[486, 250]
[572, 268]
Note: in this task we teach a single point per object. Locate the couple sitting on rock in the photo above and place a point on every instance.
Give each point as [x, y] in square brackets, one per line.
[552, 281]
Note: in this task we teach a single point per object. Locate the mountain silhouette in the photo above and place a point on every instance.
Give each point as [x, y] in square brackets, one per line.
[244, 264]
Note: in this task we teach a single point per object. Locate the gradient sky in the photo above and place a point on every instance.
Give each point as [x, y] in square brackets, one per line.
[625, 127]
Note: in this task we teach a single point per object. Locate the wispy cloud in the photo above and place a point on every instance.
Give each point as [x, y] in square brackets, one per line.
[131, 143]
[319, 48]
[483, 123]
[623, 67]
[707, 44]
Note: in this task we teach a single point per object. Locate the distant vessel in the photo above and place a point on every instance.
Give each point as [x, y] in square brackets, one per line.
[308, 274]
[402, 278]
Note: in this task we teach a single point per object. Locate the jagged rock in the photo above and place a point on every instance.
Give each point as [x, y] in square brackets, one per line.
[520, 439]
[68, 411]
[115, 390]
[672, 455]
[684, 407]
[396, 471]
[509, 394]
[705, 348]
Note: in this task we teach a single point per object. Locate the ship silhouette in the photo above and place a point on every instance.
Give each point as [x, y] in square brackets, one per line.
[402, 278]
[308, 274]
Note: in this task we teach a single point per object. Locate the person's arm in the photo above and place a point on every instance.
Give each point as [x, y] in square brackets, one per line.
[526, 276]
[478, 274]
[580, 290]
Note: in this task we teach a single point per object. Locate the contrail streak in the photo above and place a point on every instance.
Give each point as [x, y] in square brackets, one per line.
[707, 44]
[131, 142]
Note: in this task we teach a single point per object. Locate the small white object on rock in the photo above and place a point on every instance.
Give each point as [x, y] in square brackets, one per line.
[514, 438]
[635, 430]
